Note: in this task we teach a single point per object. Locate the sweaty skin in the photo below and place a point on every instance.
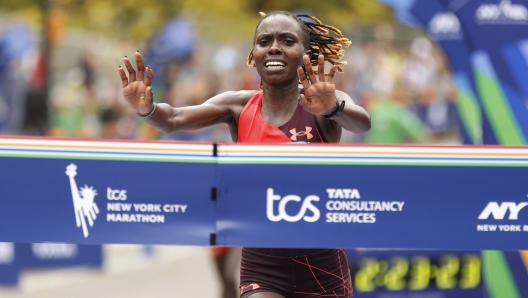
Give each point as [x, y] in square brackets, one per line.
[277, 39]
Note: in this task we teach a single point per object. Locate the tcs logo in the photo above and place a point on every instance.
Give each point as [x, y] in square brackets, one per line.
[282, 215]
[115, 194]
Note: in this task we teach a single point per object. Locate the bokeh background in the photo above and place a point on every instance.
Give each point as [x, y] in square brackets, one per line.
[59, 63]
[58, 78]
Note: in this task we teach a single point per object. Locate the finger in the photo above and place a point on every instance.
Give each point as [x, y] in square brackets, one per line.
[150, 76]
[302, 101]
[96, 208]
[320, 68]
[332, 73]
[124, 78]
[130, 69]
[140, 66]
[309, 70]
[302, 78]
[149, 95]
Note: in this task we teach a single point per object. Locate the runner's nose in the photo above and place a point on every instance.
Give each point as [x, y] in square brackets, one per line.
[275, 48]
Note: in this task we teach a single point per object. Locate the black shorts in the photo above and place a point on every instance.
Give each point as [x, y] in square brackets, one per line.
[295, 273]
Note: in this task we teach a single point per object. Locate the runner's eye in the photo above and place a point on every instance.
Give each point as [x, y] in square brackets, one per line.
[263, 42]
[288, 42]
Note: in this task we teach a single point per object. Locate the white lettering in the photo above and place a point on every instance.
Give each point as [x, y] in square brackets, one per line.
[270, 202]
[336, 217]
[510, 228]
[174, 208]
[400, 205]
[118, 207]
[147, 207]
[499, 211]
[283, 215]
[343, 193]
[144, 218]
[504, 13]
[444, 23]
[364, 206]
[486, 228]
[331, 192]
[115, 194]
[282, 208]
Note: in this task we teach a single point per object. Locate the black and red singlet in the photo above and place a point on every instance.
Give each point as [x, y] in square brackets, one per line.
[302, 126]
[291, 272]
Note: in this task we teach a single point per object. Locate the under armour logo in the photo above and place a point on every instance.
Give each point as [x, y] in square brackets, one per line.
[296, 134]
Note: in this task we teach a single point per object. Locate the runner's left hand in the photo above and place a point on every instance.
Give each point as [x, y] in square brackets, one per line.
[319, 94]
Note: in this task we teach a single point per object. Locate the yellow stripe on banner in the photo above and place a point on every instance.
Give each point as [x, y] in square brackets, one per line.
[524, 257]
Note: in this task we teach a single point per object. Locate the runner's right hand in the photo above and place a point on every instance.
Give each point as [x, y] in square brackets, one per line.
[136, 90]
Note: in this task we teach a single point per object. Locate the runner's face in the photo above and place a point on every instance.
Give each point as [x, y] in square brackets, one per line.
[278, 49]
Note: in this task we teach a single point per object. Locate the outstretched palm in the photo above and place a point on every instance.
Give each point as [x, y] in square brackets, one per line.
[319, 95]
[136, 90]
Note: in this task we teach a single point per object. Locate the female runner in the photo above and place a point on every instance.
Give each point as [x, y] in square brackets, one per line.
[285, 48]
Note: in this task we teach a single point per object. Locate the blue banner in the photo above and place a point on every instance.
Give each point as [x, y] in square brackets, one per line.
[104, 192]
[494, 30]
[449, 197]
[483, 40]
[371, 198]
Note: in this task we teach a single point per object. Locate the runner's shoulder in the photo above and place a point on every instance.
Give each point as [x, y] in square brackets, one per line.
[233, 98]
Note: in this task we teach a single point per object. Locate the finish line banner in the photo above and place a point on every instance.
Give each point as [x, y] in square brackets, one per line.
[466, 198]
[91, 192]
[350, 196]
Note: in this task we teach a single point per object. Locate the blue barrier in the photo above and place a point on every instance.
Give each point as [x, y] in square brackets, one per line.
[95, 192]
[57, 255]
[17, 257]
[9, 269]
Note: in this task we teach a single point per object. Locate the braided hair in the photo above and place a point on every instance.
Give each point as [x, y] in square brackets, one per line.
[316, 38]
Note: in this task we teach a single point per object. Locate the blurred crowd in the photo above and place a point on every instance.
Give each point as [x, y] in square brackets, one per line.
[406, 86]
[401, 79]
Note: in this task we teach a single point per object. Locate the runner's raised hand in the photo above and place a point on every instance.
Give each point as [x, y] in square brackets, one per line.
[136, 90]
[319, 95]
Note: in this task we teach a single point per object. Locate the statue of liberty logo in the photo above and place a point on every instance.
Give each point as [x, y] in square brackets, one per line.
[83, 201]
